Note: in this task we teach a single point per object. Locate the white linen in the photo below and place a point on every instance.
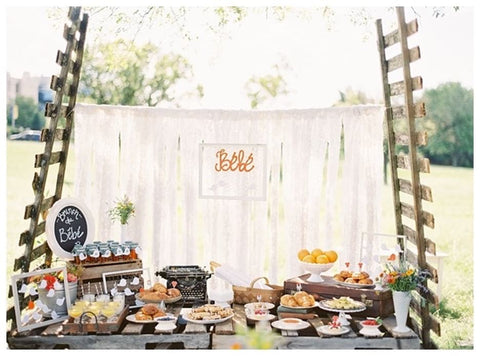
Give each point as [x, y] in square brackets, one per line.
[314, 198]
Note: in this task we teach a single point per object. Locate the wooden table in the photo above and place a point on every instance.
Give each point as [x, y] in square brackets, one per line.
[129, 336]
[218, 336]
[310, 338]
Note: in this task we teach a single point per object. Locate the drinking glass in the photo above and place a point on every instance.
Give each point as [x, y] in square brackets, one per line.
[120, 299]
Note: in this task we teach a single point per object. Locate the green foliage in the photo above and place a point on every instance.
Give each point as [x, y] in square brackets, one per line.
[351, 97]
[28, 114]
[262, 88]
[449, 125]
[120, 73]
[122, 211]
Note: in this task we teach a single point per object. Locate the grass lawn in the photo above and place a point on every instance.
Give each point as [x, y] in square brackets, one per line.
[453, 234]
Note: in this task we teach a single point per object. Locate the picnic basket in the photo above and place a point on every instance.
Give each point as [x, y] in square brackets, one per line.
[244, 295]
[249, 294]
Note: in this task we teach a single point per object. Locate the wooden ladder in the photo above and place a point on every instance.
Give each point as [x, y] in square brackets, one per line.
[422, 321]
[60, 110]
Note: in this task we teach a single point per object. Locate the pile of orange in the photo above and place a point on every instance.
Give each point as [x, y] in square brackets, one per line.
[317, 256]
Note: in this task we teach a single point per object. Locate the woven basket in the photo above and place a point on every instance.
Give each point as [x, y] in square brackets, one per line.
[244, 295]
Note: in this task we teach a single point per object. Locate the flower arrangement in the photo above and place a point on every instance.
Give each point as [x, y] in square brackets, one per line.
[401, 277]
[52, 280]
[122, 211]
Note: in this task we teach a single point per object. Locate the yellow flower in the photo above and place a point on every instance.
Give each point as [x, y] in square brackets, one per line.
[409, 272]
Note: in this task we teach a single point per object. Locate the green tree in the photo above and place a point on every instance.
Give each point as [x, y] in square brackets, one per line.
[28, 114]
[262, 88]
[449, 125]
[120, 73]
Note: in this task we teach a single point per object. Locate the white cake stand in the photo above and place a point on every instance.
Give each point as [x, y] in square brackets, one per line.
[342, 313]
[315, 270]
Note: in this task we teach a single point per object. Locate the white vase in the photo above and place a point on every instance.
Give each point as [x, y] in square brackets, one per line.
[401, 304]
[123, 233]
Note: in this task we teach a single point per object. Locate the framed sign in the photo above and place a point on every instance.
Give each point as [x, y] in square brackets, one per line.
[49, 298]
[233, 171]
[69, 223]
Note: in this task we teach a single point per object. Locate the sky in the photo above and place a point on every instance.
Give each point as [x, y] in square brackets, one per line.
[318, 58]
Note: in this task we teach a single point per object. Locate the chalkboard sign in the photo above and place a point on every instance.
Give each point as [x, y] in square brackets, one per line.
[69, 223]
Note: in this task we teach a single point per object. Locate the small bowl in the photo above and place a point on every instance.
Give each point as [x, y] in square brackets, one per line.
[165, 323]
[368, 324]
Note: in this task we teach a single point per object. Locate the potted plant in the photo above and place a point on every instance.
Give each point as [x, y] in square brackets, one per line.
[123, 210]
[51, 287]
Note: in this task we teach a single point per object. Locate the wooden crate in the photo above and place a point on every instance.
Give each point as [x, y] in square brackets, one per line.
[93, 272]
[378, 302]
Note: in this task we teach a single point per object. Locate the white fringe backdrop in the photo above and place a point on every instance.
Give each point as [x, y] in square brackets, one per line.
[314, 198]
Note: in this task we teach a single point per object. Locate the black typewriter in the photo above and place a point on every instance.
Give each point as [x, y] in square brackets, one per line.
[190, 280]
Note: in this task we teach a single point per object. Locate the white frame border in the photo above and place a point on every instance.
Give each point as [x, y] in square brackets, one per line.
[50, 224]
[18, 311]
[261, 197]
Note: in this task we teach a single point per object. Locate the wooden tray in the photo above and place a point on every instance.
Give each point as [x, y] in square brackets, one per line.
[71, 327]
[378, 302]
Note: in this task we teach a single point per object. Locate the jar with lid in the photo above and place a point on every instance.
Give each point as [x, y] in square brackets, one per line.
[93, 254]
[105, 254]
[134, 250]
[126, 251]
[81, 255]
[117, 252]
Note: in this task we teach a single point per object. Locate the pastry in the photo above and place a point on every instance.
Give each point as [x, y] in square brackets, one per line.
[149, 309]
[345, 274]
[338, 277]
[365, 281]
[350, 280]
[357, 275]
[210, 312]
[173, 292]
[364, 275]
[159, 287]
[141, 316]
[159, 314]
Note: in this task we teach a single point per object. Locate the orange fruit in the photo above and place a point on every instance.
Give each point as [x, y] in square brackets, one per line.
[316, 252]
[322, 259]
[302, 253]
[331, 255]
[309, 259]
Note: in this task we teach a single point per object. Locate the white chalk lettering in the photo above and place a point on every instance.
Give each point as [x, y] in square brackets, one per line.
[70, 234]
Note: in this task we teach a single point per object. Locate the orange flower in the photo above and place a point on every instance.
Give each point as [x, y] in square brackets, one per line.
[392, 257]
[236, 346]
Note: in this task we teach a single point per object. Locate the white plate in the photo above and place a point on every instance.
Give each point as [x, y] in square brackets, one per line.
[204, 322]
[325, 329]
[300, 308]
[267, 317]
[355, 285]
[166, 301]
[131, 318]
[260, 305]
[368, 332]
[290, 324]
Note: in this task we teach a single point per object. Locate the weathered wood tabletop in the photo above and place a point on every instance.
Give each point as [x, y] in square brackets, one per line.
[218, 336]
[312, 338]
